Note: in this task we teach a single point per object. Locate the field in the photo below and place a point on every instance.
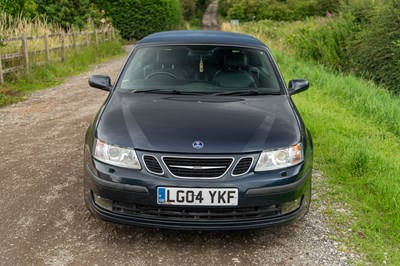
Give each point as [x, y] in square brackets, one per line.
[356, 129]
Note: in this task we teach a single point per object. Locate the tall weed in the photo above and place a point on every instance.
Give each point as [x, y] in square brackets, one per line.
[324, 40]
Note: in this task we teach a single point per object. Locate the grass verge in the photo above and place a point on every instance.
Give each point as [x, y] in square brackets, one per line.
[356, 131]
[41, 77]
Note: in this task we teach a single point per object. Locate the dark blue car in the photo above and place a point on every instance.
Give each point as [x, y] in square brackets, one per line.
[198, 132]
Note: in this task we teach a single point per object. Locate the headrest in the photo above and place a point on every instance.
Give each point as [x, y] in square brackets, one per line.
[171, 57]
[235, 60]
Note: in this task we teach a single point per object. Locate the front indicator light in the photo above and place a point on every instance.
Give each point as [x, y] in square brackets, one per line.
[282, 158]
[115, 155]
[291, 205]
[103, 202]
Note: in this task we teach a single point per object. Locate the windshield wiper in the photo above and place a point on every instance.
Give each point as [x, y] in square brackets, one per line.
[170, 91]
[245, 93]
[167, 91]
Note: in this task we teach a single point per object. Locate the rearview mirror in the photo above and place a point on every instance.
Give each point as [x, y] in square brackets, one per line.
[100, 82]
[298, 85]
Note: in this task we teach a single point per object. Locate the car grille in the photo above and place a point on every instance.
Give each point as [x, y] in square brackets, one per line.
[243, 166]
[197, 167]
[152, 164]
[196, 214]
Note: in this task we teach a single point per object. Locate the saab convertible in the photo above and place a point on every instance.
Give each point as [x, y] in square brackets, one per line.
[199, 132]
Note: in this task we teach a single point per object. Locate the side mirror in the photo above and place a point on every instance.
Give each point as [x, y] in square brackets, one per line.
[298, 85]
[100, 82]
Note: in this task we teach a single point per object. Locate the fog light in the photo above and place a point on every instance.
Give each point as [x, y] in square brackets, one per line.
[103, 202]
[291, 205]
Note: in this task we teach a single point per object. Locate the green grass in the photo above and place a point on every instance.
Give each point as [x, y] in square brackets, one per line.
[356, 130]
[41, 77]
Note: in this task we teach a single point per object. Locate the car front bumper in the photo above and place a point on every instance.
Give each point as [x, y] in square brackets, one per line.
[260, 204]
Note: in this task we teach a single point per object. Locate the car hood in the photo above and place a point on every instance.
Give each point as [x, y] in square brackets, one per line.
[172, 123]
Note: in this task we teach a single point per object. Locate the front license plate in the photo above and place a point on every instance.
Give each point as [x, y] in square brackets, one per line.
[197, 196]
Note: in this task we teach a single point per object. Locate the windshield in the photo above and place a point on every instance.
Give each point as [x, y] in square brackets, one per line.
[202, 69]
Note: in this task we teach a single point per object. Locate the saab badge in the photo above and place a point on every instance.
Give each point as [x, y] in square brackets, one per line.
[198, 145]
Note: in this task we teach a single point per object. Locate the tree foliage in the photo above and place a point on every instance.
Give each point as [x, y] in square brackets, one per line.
[24, 8]
[138, 18]
[193, 10]
[188, 8]
[376, 49]
[67, 13]
[248, 10]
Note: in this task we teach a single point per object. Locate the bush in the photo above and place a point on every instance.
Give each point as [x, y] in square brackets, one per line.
[193, 11]
[24, 8]
[324, 40]
[67, 13]
[237, 11]
[361, 10]
[137, 18]
[375, 52]
[327, 6]
[248, 10]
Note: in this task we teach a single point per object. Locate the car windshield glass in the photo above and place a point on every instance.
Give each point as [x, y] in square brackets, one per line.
[200, 69]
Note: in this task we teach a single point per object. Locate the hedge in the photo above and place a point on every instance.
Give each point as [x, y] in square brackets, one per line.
[137, 18]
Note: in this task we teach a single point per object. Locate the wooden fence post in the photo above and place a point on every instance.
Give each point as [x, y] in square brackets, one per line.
[1, 72]
[74, 40]
[46, 46]
[63, 46]
[87, 38]
[95, 37]
[113, 33]
[25, 52]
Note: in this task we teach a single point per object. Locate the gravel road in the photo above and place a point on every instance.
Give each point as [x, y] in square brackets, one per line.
[43, 219]
[209, 21]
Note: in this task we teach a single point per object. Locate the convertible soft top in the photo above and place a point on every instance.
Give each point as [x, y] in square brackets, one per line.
[201, 37]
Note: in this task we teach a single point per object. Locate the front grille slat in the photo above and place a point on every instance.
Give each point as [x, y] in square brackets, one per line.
[198, 214]
[243, 166]
[197, 167]
[152, 164]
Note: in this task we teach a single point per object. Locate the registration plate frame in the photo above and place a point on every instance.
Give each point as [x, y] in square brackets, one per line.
[178, 196]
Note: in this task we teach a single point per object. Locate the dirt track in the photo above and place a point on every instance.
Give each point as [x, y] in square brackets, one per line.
[209, 21]
[43, 219]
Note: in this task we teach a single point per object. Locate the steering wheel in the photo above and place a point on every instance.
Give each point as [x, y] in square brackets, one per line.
[169, 75]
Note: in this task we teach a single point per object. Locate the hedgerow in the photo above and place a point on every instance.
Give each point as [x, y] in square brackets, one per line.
[137, 18]
[325, 40]
[375, 52]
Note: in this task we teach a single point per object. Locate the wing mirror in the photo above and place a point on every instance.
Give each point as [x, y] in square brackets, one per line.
[298, 85]
[100, 82]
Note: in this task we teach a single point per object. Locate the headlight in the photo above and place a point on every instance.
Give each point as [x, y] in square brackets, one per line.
[272, 160]
[111, 154]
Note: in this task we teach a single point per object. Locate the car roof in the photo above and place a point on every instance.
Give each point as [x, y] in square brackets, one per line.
[200, 37]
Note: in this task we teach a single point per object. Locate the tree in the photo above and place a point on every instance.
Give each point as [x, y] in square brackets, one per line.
[328, 6]
[188, 8]
[25, 8]
[67, 13]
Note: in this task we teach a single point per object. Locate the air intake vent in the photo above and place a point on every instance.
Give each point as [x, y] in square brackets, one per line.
[152, 164]
[197, 167]
[243, 166]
